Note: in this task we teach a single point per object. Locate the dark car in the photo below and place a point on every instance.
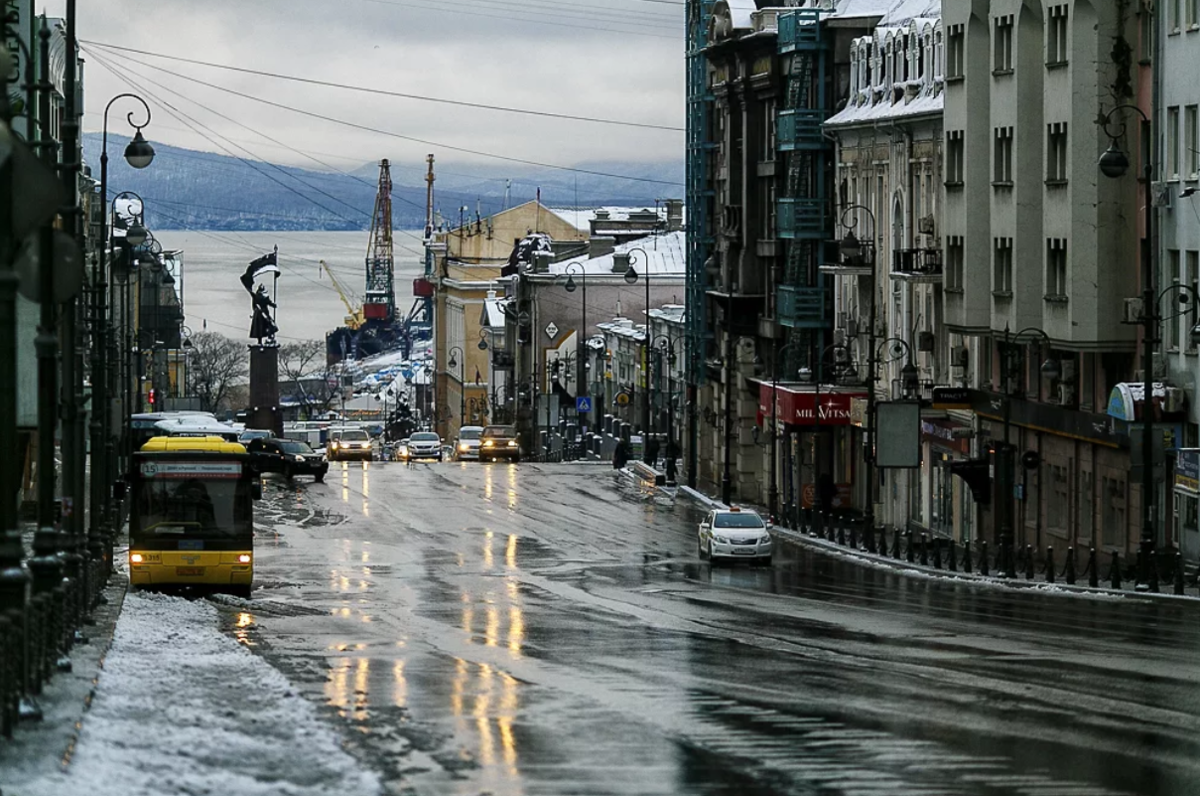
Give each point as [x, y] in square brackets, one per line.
[286, 456]
[499, 442]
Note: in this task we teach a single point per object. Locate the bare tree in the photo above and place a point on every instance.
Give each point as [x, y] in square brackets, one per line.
[216, 364]
[306, 371]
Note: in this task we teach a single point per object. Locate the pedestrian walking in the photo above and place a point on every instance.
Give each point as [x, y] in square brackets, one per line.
[621, 455]
[651, 450]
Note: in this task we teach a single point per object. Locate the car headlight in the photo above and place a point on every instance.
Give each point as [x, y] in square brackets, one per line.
[512, 443]
[488, 444]
[333, 445]
[720, 540]
[462, 446]
[765, 540]
[299, 458]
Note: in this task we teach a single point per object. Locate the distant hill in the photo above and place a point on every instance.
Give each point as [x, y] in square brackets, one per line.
[189, 189]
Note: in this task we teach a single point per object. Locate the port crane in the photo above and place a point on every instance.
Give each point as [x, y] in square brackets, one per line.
[354, 317]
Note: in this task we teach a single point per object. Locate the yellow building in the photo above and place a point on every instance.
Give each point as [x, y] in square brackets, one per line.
[469, 260]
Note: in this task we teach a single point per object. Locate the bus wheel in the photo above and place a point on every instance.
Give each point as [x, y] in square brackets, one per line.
[242, 591]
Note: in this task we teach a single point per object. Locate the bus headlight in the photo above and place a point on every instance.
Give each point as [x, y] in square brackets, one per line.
[244, 558]
[135, 558]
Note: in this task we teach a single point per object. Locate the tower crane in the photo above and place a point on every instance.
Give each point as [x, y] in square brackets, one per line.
[354, 317]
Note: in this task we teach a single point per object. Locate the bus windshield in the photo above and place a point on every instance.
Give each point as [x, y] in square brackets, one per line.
[193, 506]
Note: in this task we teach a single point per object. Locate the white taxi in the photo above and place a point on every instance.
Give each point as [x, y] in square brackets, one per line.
[735, 533]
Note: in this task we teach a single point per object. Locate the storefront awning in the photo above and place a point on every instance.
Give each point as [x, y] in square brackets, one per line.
[1125, 400]
[798, 403]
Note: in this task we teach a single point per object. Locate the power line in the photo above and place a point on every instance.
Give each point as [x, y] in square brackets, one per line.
[578, 26]
[384, 92]
[401, 136]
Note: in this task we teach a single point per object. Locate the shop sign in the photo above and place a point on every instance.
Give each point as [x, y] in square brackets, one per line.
[842, 498]
[1187, 469]
[951, 398]
[942, 435]
[807, 408]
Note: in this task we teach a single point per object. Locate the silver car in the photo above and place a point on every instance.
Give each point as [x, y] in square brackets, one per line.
[467, 445]
[425, 445]
[735, 533]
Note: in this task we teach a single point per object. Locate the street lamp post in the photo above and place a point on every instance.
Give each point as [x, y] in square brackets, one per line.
[461, 364]
[1114, 163]
[136, 236]
[581, 359]
[666, 345]
[139, 154]
[631, 277]
[773, 487]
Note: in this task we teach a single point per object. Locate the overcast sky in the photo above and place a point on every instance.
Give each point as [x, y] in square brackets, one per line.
[556, 55]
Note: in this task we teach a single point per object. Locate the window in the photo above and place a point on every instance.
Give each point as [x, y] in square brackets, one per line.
[1002, 172]
[1191, 141]
[771, 217]
[769, 126]
[1056, 268]
[1173, 15]
[954, 157]
[1056, 36]
[954, 53]
[954, 263]
[1173, 275]
[1087, 511]
[1192, 277]
[1056, 153]
[1189, 12]
[1114, 511]
[1058, 509]
[1002, 266]
[1002, 48]
[1172, 152]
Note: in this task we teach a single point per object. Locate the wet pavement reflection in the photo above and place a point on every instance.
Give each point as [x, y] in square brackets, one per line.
[546, 629]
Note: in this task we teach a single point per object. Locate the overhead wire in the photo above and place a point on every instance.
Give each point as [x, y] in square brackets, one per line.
[383, 92]
[577, 25]
[401, 136]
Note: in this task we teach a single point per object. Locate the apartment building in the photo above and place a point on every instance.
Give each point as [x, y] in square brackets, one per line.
[1042, 250]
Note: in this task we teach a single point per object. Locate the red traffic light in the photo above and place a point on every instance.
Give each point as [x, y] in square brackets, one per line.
[152, 396]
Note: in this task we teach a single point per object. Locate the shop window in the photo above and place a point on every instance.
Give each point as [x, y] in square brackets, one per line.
[1087, 509]
[1114, 512]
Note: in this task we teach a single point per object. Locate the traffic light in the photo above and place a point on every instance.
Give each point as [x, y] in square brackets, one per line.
[152, 397]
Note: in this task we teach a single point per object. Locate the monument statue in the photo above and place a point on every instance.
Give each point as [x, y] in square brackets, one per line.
[262, 325]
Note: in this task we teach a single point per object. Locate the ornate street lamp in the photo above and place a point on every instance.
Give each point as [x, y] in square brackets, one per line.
[631, 277]
[460, 362]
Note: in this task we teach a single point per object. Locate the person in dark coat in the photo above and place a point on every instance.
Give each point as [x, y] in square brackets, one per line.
[826, 492]
[651, 450]
[621, 454]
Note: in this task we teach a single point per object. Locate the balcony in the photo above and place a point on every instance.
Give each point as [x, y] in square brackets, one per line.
[801, 307]
[801, 218]
[917, 265]
[799, 29]
[800, 129]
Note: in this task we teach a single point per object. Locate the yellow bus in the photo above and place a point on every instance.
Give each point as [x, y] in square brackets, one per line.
[191, 519]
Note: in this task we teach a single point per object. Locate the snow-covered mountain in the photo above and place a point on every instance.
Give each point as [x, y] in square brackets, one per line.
[188, 189]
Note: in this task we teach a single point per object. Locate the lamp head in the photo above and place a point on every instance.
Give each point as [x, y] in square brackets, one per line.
[851, 248]
[483, 346]
[570, 284]
[453, 361]
[139, 153]
[805, 375]
[1051, 369]
[136, 234]
[1114, 162]
[631, 275]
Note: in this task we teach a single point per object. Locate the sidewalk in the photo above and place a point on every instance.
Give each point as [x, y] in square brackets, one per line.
[861, 556]
[176, 706]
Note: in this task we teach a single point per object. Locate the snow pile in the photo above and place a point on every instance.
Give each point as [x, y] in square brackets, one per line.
[182, 708]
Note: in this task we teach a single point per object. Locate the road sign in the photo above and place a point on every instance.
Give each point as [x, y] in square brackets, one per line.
[622, 398]
[583, 404]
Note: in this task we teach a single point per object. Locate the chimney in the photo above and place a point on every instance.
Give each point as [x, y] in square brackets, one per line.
[541, 262]
[598, 247]
[674, 215]
[620, 262]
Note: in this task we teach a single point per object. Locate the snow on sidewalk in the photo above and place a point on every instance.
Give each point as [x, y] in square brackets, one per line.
[181, 708]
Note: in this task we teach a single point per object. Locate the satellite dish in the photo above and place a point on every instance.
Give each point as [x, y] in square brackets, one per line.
[67, 264]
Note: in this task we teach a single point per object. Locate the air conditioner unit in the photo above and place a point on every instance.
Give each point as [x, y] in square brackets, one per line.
[1067, 376]
[1174, 402]
[1066, 394]
[1162, 195]
[1133, 311]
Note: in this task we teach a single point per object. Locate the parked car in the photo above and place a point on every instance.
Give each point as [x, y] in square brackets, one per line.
[735, 533]
[499, 442]
[425, 445]
[254, 433]
[467, 445]
[348, 443]
[286, 456]
[400, 452]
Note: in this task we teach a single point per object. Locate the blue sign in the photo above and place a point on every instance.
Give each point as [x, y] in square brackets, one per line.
[583, 404]
[1187, 469]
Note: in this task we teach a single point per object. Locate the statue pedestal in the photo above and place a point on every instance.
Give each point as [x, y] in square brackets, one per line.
[264, 412]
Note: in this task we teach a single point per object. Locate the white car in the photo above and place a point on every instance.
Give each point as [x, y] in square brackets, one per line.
[735, 533]
[425, 445]
[467, 444]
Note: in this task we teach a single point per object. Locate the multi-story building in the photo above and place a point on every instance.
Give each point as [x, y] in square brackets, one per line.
[888, 138]
[1176, 59]
[1041, 251]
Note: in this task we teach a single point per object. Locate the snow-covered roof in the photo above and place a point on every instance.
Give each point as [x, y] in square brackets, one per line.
[661, 255]
[669, 313]
[581, 218]
[893, 12]
[493, 310]
[623, 327]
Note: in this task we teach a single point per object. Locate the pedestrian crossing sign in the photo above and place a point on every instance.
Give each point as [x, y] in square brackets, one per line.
[583, 404]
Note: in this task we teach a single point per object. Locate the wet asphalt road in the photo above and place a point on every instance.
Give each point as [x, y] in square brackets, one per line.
[548, 629]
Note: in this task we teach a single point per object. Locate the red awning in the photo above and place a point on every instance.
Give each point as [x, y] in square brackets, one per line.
[798, 404]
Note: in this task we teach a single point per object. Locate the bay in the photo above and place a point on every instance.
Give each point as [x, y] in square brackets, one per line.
[309, 306]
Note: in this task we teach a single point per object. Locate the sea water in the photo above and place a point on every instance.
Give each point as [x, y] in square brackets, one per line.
[215, 301]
